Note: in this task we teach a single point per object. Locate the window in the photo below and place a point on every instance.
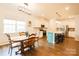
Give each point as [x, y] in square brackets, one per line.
[11, 26]
[20, 26]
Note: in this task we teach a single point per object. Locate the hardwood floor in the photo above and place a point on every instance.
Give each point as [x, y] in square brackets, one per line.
[69, 47]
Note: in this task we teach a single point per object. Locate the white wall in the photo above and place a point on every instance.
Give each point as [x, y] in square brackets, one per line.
[11, 12]
[52, 25]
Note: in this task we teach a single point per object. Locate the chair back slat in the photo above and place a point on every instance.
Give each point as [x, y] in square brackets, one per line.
[30, 42]
[32, 35]
[9, 38]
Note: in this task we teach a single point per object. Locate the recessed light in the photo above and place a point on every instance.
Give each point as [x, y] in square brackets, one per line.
[66, 8]
[58, 22]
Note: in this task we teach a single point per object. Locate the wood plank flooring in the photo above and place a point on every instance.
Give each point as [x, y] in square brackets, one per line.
[69, 47]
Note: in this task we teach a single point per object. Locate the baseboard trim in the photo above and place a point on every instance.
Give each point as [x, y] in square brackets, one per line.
[4, 45]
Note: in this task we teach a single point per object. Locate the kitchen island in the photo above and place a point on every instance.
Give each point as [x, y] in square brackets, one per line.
[55, 37]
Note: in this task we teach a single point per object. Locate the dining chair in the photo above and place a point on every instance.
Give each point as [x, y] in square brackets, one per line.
[32, 35]
[29, 43]
[36, 37]
[21, 33]
[12, 44]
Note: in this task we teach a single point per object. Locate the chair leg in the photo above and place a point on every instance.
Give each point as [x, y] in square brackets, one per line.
[17, 52]
[9, 50]
[30, 50]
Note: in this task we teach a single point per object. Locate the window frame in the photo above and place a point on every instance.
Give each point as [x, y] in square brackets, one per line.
[15, 24]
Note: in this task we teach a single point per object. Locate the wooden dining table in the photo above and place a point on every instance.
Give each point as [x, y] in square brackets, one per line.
[20, 39]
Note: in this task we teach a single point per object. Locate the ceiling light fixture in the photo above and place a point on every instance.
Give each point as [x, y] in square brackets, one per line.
[26, 4]
[25, 12]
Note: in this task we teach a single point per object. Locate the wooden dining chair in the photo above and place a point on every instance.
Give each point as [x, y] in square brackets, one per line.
[12, 44]
[32, 35]
[29, 43]
[36, 37]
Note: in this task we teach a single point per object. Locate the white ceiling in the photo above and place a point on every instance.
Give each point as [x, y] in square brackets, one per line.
[48, 10]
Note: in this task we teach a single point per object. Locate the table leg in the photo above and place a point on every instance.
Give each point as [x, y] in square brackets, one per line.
[22, 47]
